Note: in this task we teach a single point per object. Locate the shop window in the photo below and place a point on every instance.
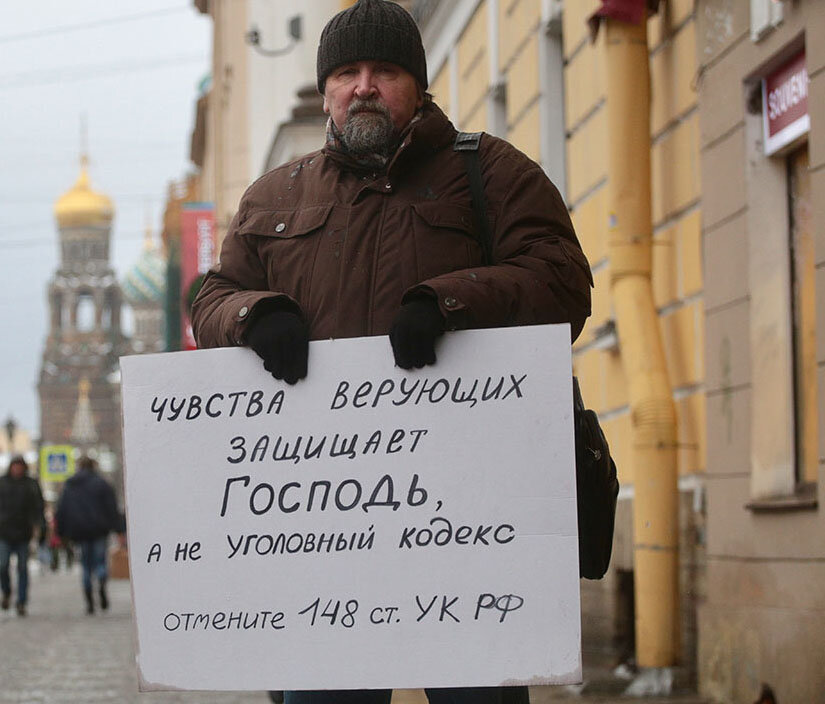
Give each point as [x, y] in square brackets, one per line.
[803, 307]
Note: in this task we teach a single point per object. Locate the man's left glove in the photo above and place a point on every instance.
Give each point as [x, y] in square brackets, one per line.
[417, 326]
[281, 339]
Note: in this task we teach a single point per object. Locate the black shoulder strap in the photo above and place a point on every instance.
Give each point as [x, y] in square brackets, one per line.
[468, 144]
[578, 401]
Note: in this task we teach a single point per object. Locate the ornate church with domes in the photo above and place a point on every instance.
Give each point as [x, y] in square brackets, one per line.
[144, 287]
[79, 385]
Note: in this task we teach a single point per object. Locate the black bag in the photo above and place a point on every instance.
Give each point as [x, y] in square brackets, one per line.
[597, 485]
[597, 488]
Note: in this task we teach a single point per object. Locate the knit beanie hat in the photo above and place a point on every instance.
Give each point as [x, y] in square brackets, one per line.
[371, 30]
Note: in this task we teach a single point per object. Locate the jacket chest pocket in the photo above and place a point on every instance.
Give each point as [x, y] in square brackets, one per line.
[445, 239]
[289, 242]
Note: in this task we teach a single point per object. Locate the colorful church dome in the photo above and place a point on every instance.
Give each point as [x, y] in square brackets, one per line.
[146, 280]
[80, 205]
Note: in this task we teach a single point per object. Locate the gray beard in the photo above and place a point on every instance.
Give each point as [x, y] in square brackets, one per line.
[368, 129]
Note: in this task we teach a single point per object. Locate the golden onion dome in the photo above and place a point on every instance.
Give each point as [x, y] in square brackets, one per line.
[80, 205]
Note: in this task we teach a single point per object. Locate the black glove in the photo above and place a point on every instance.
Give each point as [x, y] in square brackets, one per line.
[417, 326]
[281, 339]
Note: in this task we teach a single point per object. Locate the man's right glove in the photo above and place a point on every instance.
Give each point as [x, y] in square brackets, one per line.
[417, 326]
[281, 339]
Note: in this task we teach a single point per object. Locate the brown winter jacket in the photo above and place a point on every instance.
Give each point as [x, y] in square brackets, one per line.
[349, 246]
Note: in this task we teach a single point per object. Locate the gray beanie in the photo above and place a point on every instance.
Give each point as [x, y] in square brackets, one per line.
[372, 30]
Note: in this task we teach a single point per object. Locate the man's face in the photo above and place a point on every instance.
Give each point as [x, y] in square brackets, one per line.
[370, 102]
[17, 469]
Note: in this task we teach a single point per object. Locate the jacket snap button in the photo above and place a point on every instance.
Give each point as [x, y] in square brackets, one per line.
[388, 186]
[242, 312]
[450, 302]
[280, 227]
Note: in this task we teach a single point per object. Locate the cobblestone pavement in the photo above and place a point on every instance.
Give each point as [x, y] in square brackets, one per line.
[59, 655]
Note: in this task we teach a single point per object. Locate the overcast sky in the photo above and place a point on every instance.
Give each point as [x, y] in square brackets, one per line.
[133, 70]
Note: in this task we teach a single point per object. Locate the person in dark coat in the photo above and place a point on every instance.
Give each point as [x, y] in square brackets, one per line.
[21, 511]
[86, 513]
[375, 234]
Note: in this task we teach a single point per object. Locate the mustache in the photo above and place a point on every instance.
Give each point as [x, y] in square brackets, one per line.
[357, 106]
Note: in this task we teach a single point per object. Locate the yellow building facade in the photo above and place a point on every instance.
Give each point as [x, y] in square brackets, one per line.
[737, 253]
[530, 71]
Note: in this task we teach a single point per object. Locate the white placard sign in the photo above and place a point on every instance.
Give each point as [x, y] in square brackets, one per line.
[365, 528]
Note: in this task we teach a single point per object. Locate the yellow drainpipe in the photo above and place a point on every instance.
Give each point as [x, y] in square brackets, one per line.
[653, 415]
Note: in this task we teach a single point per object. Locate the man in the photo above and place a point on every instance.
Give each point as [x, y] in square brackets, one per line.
[21, 511]
[86, 513]
[374, 234]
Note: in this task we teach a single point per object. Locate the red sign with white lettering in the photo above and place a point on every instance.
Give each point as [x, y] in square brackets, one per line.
[198, 249]
[785, 104]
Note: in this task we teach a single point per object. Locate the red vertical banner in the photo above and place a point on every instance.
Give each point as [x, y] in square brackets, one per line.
[197, 253]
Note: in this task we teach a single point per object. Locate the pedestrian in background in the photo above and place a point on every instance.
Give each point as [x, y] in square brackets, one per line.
[21, 511]
[56, 544]
[86, 513]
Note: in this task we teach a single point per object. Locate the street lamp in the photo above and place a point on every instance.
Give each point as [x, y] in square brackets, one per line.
[11, 426]
[294, 28]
